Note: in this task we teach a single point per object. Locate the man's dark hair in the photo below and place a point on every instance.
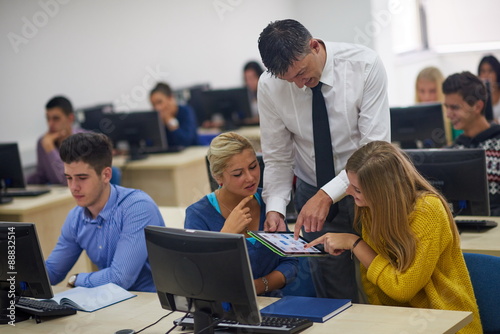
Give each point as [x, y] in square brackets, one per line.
[494, 63]
[467, 85]
[282, 43]
[163, 88]
[60, 102]
[91, 148]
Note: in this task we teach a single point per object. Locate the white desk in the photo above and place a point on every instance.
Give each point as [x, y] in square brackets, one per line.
[485, 242]
[171, 179]
[145, 309]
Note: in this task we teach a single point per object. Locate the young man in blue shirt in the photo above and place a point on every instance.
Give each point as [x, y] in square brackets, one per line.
[108, 222]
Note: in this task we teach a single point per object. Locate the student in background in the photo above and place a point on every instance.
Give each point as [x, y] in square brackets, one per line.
[237, 207]
[60, 117]
[428, 89]
[108, 221]
[410, 251]
[489, 70]
[179, 120]
[465, 98]
[251, 73]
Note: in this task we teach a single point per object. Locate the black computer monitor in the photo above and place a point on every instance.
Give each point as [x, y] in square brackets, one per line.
[90, 118]
[192, 96]
[419, 126]
[22, 269]
[142, 131]
[204, 273]
[11, 171]
[460, 175]
[233, 104]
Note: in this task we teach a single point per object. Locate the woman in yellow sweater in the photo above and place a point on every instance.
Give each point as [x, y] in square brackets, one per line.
[410, 248]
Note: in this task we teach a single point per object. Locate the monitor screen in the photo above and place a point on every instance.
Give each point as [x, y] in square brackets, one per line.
[22, 268]
[419, 126]
[192, 96]
[204, 273]
[232, 104]
[90, 118]
[11, 170]
[460, 175]
[142, 131]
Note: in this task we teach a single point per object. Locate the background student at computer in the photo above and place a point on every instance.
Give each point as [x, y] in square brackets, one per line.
[108, 221]
[410, 251]
[60, 117]
[465, 98]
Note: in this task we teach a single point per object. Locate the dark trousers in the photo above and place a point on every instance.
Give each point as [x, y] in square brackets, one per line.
[333, 276]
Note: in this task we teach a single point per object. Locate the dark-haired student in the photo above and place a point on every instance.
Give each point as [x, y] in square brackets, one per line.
[410, 251]
[237, 207]
[464, 99]
[179, 120]
[60, 117]
[108, 221]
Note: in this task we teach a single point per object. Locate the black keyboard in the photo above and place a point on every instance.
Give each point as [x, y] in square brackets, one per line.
[270, 325]
[43, 308]
[24, 192]
[475, 224]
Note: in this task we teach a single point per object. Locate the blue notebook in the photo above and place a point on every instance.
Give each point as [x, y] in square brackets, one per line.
[312, 308]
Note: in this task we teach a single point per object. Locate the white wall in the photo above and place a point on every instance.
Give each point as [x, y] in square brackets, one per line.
[97, 51]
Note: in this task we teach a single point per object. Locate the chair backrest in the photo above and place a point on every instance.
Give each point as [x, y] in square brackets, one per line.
[116, 176]
[484, 271]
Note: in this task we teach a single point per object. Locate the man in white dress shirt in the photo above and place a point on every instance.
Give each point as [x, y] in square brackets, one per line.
[354, 86]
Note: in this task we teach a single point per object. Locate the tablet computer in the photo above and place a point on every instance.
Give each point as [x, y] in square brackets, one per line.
[284, 244]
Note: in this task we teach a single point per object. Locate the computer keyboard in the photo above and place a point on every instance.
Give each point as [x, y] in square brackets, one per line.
[43, 308]
[474, 224]
[25, 192]
[270, 325]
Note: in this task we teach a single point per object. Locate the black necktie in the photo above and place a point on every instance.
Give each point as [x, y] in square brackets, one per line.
[325, 170]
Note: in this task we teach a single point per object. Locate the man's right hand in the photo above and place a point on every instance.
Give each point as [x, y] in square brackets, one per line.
[274, 222]
[49, 140]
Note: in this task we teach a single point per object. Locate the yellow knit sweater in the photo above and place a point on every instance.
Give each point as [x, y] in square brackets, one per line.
[438, 277]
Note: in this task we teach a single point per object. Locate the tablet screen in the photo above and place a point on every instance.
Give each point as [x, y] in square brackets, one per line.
[285, 242]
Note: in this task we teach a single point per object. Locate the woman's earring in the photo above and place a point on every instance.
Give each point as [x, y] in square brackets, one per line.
[220, 185]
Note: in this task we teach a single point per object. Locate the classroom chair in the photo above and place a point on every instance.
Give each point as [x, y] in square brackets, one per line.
[116, 177]
[484, 271]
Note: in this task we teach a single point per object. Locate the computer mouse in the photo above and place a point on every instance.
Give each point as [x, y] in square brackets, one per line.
[125, 331]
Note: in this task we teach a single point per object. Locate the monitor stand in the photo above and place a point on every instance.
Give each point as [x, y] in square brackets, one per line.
[4, 198]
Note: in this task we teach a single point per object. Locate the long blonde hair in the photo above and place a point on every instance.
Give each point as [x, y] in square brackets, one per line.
[391, 185]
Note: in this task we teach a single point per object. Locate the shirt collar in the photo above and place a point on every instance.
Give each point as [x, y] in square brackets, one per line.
[106, 212]
[327, 75]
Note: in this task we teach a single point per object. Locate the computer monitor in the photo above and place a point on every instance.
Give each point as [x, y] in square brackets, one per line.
[11, 171]
[22, 269]
[232, 104]
[89, 118]
[419, 126]
[192, 96]
[142, 131]
[460, 175]
[204, 273]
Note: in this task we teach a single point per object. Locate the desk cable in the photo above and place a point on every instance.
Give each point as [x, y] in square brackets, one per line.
[154, 323]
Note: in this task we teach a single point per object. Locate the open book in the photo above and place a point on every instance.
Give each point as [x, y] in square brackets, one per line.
[92, 299]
